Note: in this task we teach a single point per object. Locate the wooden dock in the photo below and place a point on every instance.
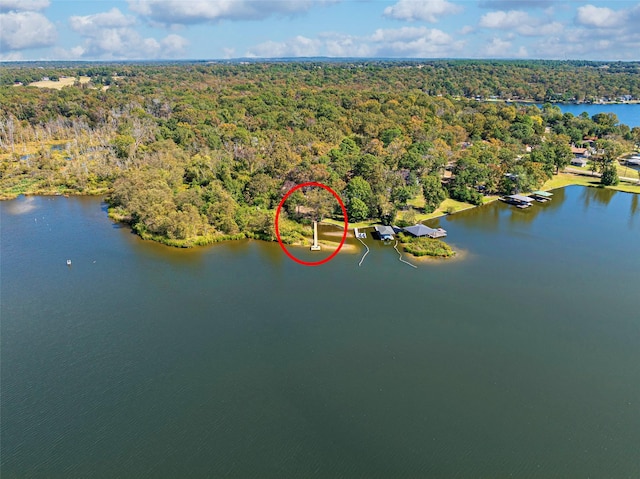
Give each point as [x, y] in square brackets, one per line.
[315, 246]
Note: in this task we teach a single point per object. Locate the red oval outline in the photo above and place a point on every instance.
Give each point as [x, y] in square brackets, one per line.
[344, 233]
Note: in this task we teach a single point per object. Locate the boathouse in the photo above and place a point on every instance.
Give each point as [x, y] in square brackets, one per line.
[542, 196]
[420, 230]
[385, 232]
[519, 200]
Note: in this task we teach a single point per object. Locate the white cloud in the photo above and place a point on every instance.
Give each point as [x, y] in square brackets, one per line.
[590, 43]
[11, 56]
[109, 35]
[180, 12]
[173, 45]
[23, 30]
[395, 34]
[519, 22]
[342, 45]
[88, 24]
[510, 4]
[600, 17]
[409, 42]
[503, 20]
[599, 33]
[23, 5]
[498, 48]
[298, 46]
[425, 10]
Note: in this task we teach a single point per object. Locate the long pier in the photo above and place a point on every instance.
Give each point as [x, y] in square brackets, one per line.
[357, 234]
[315, 246]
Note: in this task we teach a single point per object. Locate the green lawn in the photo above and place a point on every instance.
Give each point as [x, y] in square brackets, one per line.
[448, 206]
[565, 179]
[622, 170]
[626, 171]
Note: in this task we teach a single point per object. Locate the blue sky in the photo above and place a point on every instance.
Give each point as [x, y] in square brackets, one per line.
[214, 29]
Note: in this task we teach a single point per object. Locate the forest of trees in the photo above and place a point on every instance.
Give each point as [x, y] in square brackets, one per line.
[192, 153]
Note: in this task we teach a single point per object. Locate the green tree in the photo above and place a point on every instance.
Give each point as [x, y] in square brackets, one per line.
[358, 188]
[434, 192]
[357, 210]
[123, 145]
[610, 175]
[560, 151]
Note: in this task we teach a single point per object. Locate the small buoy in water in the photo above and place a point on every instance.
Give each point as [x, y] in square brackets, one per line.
[68, 262]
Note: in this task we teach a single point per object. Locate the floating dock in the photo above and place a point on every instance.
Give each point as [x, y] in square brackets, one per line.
[542, 196]
[519, 201]
[359, 234]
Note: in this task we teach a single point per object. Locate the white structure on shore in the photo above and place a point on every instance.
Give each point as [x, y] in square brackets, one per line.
[315, 246]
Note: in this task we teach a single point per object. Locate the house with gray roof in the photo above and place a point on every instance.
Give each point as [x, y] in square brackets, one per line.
[420, 230]
[385, 232]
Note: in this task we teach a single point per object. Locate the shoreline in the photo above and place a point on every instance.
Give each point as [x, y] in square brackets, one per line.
[331, 247]
[561, 180]
[535, 102]
[459, 254]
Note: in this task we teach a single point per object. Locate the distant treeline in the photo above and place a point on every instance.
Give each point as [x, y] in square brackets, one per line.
[538, 80]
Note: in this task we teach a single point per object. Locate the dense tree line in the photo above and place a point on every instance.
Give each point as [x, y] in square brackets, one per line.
[531, 79]
[192, 153]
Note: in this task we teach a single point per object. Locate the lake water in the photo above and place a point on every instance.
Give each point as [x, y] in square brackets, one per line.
[520, 359]
[628, 114]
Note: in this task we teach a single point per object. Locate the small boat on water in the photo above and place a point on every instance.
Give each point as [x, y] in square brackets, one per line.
[68, 262]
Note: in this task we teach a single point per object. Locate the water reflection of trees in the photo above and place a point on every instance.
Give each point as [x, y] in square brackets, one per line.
[485, 217]
[633, 215]
[602, 196]
[529, 214]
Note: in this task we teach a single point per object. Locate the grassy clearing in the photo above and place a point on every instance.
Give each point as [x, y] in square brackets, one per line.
[448, 206]
[426, 247]
[627, 171]
[292, 232]
[566, 179]
[60, 84]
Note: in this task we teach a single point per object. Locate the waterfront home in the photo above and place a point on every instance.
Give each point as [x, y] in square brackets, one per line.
[580, 152]
[579, 161]
[385, 232]
[420, 230]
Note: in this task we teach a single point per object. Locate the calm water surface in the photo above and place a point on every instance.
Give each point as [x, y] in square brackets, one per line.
[628, 114]
[521, 359]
